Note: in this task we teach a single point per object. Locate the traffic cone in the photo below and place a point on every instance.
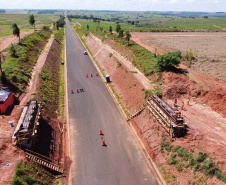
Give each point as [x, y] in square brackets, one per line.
[96, 74]
[103, 142]
[72, 92]
[91, 75]
[77, 91]
[87, 76]
[100, 132]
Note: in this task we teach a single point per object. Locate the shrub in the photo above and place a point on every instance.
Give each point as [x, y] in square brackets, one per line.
[147, 93]
[180, 167]
[221, 176]
[168, 61]
[110, 54]
[201, 157]
[209, 168]
[176, 148]
[173, 155]
[189, 55]
[169, 148]
[172, 161]
[28, 179]
[17, 181]
[20, 172]
[119, 64]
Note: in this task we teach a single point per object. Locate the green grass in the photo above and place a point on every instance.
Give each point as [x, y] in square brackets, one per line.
[31, 173]
[17, 69]
[51, 90]
[22, 21]
[197, 23]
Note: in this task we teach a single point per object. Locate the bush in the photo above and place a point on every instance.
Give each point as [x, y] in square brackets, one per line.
[176, 148]
[110, 54]
[201, 157]
[169, 148]
[172, 161]
[17, 181]
[147, 93]
[180, 167]
[20, 172]
[168, 61]
[209, 168]
[221, 176]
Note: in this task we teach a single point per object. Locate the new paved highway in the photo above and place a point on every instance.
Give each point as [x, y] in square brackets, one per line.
[121, 162]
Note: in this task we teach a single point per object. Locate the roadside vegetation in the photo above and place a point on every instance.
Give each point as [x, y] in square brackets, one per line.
[31, 173]
[51, 90]
[18, 64]
[182, 160]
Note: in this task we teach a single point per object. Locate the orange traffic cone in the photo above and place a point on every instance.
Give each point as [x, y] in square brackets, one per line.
[96, 74]
[103, 142]
[91, 75]
[72, 92]
[100, 132]
[77, 91]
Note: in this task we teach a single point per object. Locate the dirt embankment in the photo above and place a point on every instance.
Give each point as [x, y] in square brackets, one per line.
[206, 127]
[50, 137]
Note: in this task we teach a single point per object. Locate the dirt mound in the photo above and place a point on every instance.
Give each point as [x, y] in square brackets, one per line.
[178, 85]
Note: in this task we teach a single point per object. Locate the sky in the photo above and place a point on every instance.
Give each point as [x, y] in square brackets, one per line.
[126, 5]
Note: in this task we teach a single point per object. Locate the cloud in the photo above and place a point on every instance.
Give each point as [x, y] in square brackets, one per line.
[173, 1]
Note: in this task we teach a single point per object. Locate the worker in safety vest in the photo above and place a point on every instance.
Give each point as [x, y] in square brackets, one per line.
[188, 101]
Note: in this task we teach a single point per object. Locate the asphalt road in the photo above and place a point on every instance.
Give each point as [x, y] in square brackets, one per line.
[121, 162]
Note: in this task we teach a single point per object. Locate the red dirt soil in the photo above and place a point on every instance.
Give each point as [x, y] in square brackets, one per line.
[205, 115]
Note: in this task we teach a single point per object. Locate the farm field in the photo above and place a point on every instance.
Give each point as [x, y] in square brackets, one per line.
[22, 20]
[207, 48]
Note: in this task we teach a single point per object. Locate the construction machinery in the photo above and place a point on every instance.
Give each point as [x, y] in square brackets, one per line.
[174, 124]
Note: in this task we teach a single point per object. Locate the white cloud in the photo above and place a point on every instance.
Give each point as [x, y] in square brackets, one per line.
[173, 1]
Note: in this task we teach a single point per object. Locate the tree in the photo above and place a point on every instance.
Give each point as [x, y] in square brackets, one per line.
[168, 61]
[120, 33]
[118, 28]
[110, 29]
[16, 31]
[32, 20]
[128, 36]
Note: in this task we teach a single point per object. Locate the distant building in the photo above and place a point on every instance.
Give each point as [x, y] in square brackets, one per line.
[6, 100]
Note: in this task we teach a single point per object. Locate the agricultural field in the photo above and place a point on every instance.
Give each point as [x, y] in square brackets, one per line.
[145, 20]
[22, 20]
[216, 23]
[207, 48]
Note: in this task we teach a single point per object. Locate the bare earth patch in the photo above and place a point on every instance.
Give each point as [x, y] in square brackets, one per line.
[5, 42]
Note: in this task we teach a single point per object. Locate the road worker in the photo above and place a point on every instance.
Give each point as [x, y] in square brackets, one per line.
[188, 101]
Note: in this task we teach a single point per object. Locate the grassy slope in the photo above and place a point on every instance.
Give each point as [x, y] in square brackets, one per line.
[17, 70]
[50, 90]
[22, 20]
